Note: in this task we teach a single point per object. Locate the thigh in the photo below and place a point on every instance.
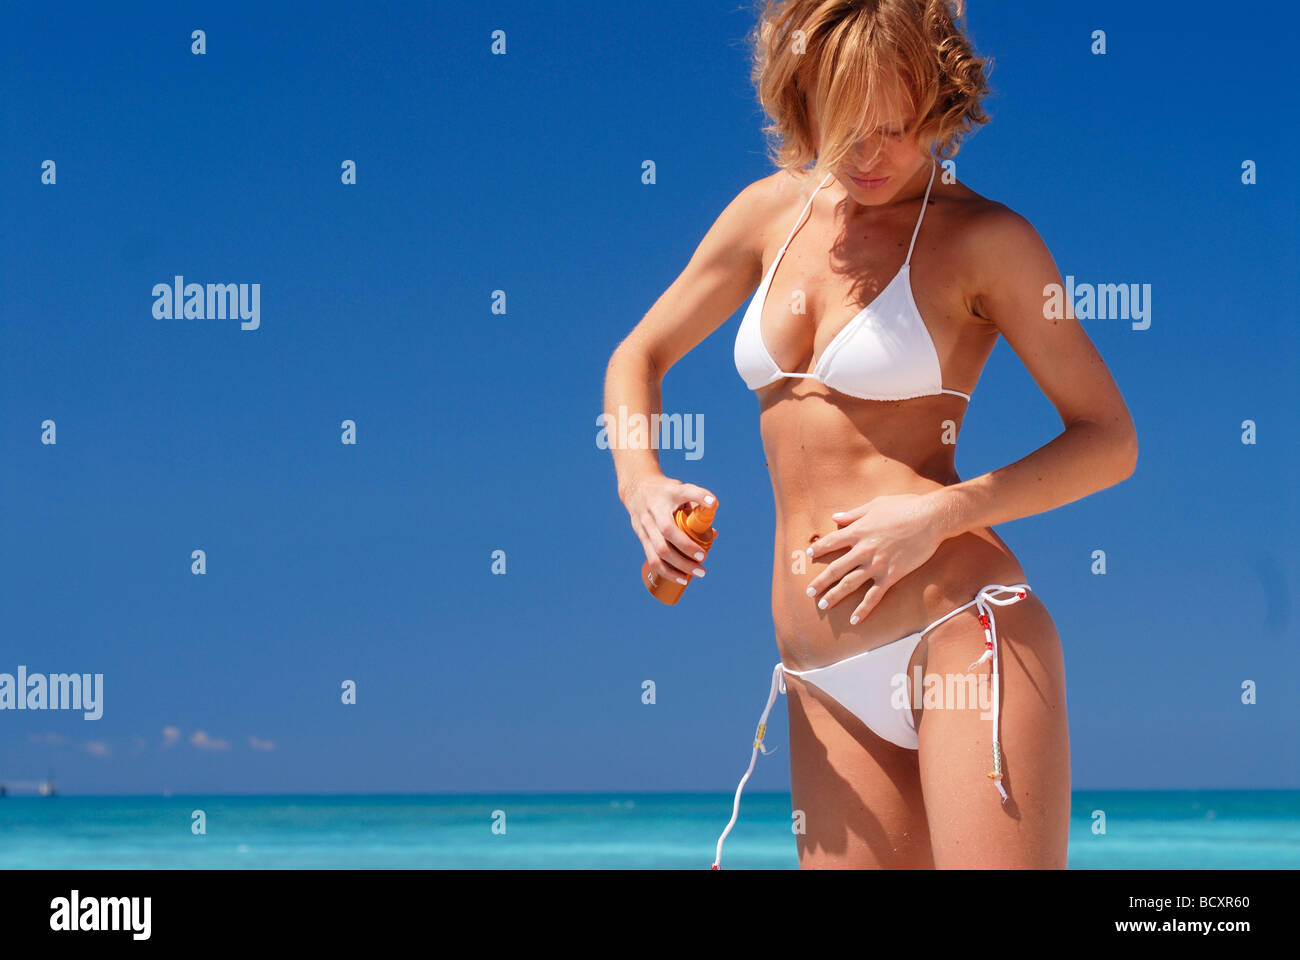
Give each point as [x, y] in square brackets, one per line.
[860, 795]
[969, 824]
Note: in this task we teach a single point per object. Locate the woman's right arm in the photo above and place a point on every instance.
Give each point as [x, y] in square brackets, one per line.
[724, 270]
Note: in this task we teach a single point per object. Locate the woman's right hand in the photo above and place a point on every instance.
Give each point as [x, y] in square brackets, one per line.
[651, 502]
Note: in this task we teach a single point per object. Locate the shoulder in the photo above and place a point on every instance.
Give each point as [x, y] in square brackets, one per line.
[999, 257]
[764, 200]
[988, 236]
[985, 229]
[748, 222]
[780, 196]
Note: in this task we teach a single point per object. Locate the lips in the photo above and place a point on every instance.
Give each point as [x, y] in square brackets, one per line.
[869, 183]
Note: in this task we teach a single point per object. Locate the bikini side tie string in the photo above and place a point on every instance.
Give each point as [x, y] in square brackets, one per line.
[778, 686]
[982, 601]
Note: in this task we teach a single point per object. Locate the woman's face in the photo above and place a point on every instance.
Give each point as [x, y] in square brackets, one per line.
[877, 181]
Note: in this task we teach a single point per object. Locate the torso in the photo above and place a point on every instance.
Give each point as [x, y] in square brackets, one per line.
[827, 451]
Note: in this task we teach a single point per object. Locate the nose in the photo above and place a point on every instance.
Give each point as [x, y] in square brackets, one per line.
[867, 151]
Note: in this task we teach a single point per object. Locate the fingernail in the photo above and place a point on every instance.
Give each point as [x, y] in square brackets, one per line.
[708, 501]
[682, 581]
[821, 604]
[835, 516]
[699, 556]
[812, 592]
[853, 619]
[810, 551]
[698, 572]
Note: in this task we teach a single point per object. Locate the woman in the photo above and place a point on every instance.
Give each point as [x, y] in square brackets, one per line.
[882, 286]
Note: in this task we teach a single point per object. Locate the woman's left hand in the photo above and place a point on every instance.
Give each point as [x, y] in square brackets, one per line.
[885, 539]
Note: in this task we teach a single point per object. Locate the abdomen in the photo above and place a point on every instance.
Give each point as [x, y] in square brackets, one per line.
[827, 453]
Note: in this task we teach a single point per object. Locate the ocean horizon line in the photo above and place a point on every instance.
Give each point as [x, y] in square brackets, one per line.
[67, 794]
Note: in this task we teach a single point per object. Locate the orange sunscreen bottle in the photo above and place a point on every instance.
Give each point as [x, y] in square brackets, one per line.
[696, 524]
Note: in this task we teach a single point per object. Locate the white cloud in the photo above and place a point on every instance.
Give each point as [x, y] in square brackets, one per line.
[204, 742]
[257, 744]
[47, 739]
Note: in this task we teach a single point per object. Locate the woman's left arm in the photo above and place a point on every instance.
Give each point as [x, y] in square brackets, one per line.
[1098, 447]
[889, 537]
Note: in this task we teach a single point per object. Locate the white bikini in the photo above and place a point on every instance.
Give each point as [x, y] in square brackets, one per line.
[883, 353]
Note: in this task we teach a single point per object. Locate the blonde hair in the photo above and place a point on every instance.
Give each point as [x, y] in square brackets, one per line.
[853, 50]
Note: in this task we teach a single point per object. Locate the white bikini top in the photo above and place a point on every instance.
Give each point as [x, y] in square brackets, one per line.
[883, 353]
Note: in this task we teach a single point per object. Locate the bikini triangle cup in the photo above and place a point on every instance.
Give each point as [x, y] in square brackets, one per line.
[874, 670]
[885, 352]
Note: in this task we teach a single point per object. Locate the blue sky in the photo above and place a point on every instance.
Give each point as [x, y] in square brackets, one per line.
[476, 431]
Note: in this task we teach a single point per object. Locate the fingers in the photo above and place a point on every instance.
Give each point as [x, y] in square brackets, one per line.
[670, 561]
[846, 576]
[829, 543]
[848, 516]
[848, 573]
[851, 583]
[869, 602]
[855, 555]
[837, 571]
[661, 569]
[689, 491]
[658, 567]
[670, 551]
[684, 544]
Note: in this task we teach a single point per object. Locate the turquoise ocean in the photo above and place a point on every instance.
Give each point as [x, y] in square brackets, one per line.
[1157, 829]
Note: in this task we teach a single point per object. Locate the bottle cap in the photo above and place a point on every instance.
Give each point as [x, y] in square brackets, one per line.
[700, 519]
